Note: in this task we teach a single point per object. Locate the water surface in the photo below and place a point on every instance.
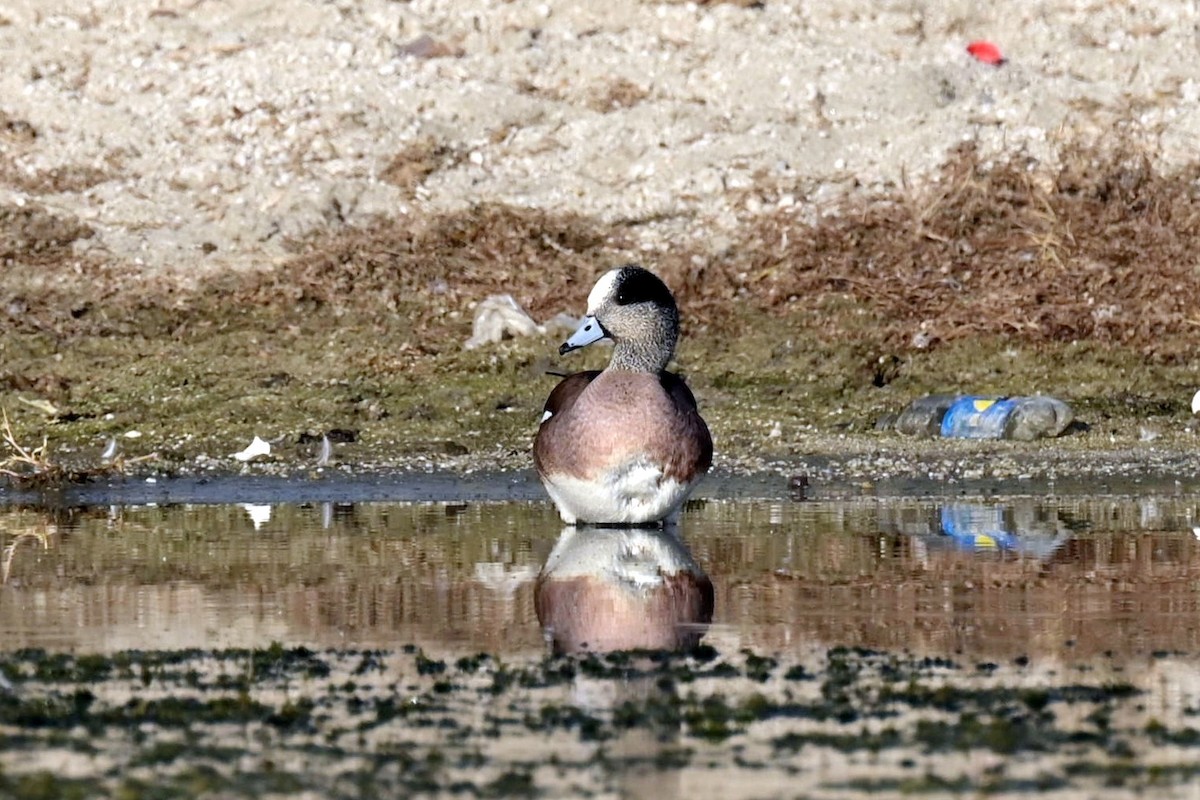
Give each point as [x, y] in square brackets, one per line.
[1070, 577]
[848, 649]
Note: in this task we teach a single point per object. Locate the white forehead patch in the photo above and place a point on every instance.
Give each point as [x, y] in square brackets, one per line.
[603, 290]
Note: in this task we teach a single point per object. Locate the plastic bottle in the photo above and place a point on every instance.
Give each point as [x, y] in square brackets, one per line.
[981, 417]
[974, 417]
[1036, 417]
[1020, 418]
[923, 416]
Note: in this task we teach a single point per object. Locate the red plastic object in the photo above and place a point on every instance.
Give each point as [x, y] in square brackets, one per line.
[986, 52]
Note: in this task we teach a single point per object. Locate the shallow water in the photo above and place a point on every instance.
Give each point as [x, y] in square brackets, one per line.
[850, 649]
[1071, 577]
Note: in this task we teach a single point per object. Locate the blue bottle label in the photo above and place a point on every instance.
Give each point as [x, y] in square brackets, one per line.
[977, 527]
[977, 417]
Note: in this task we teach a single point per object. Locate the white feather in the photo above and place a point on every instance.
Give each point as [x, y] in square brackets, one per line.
[602, 291]
[326, 452]
[258, 447]
[634, 492]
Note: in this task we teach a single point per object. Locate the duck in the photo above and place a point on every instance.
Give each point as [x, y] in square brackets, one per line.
[625, 445]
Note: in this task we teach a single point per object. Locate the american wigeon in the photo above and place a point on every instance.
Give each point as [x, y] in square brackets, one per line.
[625, 445]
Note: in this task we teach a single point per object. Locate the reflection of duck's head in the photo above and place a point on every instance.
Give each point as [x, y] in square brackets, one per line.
[606, 589]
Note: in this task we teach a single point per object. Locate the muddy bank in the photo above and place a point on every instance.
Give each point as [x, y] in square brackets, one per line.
[795, 344]
[942, 470]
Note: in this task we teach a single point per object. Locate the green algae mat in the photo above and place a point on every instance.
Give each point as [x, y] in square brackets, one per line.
[838, 723]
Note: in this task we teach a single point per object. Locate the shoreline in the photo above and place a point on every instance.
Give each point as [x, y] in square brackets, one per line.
[931, 471]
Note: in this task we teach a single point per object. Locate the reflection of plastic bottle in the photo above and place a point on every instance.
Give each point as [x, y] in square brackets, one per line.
[982, 527]
[977, 527]
[1023, 418]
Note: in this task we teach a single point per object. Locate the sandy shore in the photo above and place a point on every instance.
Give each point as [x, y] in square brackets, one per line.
[200, 135]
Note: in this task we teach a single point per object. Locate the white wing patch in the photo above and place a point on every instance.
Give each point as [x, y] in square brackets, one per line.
[547, 414]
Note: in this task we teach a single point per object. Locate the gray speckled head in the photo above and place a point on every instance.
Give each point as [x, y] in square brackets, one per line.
[635, 309]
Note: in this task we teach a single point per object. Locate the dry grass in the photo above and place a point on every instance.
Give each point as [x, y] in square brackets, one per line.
[27, 465]
[444, 265]
[616, 94]
[33, 467]
[15, 131]
[1100, 249]
[409, 168]
[31, 233]
[67, 178]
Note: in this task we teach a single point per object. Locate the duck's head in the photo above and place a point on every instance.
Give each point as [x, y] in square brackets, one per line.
[634, 308]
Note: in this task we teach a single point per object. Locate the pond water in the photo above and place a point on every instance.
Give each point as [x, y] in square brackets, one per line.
[992, 579]
[832, 648]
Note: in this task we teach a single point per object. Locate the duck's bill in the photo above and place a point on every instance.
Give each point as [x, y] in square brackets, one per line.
[590, 330]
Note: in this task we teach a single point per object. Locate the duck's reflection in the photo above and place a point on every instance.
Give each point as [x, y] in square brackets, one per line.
[605, 588]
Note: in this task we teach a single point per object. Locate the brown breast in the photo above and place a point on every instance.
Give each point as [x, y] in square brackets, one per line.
[600, 420]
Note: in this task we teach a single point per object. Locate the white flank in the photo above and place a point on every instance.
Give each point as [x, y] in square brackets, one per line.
[634, 492]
